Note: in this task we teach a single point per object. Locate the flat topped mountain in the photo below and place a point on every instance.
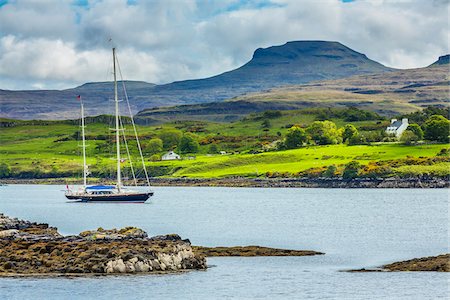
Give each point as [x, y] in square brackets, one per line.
[292, 63]
[318, 59]
[443, 60]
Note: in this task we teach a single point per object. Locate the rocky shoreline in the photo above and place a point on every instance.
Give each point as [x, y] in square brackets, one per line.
[393, 182]
[32, 249]
[440, 263]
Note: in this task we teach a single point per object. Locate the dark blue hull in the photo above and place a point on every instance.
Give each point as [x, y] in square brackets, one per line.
[132, 198]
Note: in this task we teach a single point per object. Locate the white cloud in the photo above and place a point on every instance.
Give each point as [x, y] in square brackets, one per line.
[56, 60]
[54, 44]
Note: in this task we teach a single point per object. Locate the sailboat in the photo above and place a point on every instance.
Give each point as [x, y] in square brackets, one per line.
[110, 193]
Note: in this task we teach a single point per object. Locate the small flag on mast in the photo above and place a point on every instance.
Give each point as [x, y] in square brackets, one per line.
[79, 97]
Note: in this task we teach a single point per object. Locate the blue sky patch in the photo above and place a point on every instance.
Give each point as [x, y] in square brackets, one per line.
[251, 4]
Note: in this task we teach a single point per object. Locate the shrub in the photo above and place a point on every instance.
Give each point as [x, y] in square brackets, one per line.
[358, 139]
[266, 124]
[444, 152]
[155, 157]
[408, 137]
[351, 170]
[5, 170]
[374, 170]
[272, 114]
[330, 171]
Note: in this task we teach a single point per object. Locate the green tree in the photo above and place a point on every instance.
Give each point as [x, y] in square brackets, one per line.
[295, 137]
[188, 143]
[358, 139]
[153, 146]
[349, 132]
[437, 128]
[417, 130]
[351, 170]
[5, 170]
[170, 138]
[155, 157]
[409, 137]
[324, 133]
[213, 149]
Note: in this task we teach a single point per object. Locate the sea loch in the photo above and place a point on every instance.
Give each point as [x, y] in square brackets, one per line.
[354, 227]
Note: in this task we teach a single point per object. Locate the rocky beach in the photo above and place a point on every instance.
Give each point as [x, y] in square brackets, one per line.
[29, 249]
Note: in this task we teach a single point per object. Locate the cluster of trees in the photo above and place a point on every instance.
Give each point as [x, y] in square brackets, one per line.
[171, 139]
[435, 128]
[319, 133]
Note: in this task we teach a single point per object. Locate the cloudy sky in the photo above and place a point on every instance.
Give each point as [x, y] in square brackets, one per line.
[50, 44]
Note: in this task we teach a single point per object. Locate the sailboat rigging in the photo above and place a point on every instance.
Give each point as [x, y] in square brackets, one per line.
[105, 193]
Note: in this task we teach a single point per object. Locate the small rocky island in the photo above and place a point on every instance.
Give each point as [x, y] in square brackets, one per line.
[440, 263]
[28, 248]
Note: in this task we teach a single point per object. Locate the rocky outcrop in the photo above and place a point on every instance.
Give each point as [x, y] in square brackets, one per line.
[28, 248]
[13, 228]
[249, 251]
[440, 263]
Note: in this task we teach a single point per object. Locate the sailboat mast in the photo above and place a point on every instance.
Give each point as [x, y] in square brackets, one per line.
[84, 144]
[116, 100]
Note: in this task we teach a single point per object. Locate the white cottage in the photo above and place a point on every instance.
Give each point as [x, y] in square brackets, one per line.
[170, 156]
[397, 127]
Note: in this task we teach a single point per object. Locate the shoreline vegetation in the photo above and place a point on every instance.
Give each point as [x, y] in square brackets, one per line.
[32, 249]
[414, 182]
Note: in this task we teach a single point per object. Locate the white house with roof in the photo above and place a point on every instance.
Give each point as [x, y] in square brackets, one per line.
[397, 127]
[170, 156]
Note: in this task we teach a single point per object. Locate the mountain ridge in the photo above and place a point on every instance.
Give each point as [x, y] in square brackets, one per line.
[295, 62]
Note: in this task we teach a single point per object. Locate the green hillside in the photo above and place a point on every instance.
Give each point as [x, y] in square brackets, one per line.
[50, 149]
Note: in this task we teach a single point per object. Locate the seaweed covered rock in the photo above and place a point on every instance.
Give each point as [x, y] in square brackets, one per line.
[13, 228]
[114, 234]
[440, 263]
[28, 248]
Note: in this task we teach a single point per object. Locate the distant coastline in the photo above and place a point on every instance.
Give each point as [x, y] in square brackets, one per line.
[413, 182]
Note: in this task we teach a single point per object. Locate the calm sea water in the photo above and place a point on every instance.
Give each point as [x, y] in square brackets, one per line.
[354, 227]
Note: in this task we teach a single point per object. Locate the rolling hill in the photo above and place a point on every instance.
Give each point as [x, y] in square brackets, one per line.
[292, 63]
[392, 93]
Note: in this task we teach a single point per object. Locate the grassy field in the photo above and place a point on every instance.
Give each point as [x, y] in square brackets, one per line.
[294, 161]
